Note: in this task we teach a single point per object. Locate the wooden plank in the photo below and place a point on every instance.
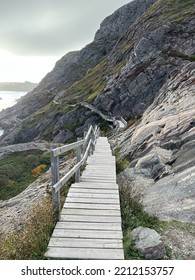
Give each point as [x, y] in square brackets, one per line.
[100, 171]
[94, 162]
[94, 206]
[103, 178]
[93, 191]
[83, 184]
[90, 212]
[102, 174]
[92, 200]
[92, 219]
[74, 233]
[108, 196]
[96, 180]
[108, 186]
[89, 226]
[82, 253]
[85, 243]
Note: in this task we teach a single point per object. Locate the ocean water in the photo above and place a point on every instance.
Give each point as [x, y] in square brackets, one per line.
[8, 99]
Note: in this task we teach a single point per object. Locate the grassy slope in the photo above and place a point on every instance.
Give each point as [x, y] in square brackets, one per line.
[19, 169]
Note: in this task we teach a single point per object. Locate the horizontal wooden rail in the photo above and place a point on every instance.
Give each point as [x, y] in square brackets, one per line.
[58, 151]
[83, 151]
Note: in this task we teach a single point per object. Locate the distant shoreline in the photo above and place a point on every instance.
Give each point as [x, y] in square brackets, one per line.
[15, 86]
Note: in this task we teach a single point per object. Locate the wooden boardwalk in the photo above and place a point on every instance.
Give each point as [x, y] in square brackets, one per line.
[90, 222]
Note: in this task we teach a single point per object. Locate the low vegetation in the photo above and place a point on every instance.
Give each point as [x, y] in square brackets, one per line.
[30, 242]
[18, 170]
[133, 216]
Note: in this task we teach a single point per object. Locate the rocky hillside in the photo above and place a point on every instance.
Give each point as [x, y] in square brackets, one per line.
[78, 76]
[120, 73]
[140, 66]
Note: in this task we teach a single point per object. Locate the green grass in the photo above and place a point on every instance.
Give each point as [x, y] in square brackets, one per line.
[133, 216]
[177, 54]
[171, 11]
[90, 86]
[121, 163]
[16, 171]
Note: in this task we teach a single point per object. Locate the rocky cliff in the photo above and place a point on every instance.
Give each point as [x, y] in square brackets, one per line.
[161, 151]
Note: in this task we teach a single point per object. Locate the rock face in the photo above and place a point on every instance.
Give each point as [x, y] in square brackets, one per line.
[161, 149]
[148, 242]
[44, 146]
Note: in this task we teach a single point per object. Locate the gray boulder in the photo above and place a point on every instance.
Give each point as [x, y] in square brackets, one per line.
[151, 165]
[148, 242]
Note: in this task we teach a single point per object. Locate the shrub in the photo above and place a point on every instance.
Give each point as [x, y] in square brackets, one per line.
[37, 171]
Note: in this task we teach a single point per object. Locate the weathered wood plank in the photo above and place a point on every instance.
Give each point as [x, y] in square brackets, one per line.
[82, 253]
[69, 205]
[99, 200]
[93, 191]
[88, 226]
[100, 175]
[74, 233]
[96, 180]
[83, 184]
[103, 178]
[91, 195]
[92, 219]
[85, 243]
[90, 212]
[88, 185]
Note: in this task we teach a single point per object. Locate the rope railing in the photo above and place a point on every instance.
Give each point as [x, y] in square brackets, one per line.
[84, 147]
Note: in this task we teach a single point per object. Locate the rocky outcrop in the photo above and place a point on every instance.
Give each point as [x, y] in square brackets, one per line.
[44, 146]
[161, 149]
[155, 50]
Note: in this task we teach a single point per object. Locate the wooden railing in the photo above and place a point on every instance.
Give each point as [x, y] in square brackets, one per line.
[84, 148]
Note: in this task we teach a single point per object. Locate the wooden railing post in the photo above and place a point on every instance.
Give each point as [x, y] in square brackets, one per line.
[85, 144]
[55, 179]
[93, 139]
[78, 174]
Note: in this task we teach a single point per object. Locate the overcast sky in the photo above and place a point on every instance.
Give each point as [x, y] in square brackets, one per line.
[34, 34]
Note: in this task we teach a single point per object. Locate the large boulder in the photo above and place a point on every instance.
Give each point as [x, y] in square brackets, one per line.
[149, 243]
[151, 165]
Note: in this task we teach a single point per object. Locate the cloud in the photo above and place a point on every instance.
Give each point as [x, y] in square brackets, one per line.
[48, 27]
